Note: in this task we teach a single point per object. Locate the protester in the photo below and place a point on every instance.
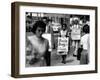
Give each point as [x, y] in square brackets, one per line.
[75, 35]
[85, 45]
[64, 34]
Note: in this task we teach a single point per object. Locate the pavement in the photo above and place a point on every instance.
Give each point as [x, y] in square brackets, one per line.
[56, 60]
[70, 59]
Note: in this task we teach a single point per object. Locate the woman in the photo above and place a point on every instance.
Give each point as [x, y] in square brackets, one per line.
[39, 45]
[85, 45]
[64, 34]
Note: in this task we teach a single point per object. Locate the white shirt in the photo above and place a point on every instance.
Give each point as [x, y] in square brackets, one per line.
[63, 33]
[85, 41]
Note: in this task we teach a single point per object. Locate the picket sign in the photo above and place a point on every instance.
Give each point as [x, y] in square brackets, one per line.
[62, 45]
[76, 34]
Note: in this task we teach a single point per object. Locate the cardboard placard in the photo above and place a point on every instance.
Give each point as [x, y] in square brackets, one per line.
[76, 34]
[62, 45]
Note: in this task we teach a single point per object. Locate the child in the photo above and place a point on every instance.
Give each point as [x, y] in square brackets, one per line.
[85, 44]
[64, 33]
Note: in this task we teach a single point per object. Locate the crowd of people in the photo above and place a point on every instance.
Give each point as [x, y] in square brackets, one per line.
[41, 48]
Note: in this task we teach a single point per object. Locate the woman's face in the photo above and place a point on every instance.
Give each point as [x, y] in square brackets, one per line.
[39, 32]
[76, 21]
[63, 27]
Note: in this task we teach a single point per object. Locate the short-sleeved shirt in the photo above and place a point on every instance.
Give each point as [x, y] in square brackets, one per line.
[85, 41]
[63, 33]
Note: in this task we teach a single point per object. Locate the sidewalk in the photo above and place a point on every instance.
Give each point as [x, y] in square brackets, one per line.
[70, 60]
[56, 59]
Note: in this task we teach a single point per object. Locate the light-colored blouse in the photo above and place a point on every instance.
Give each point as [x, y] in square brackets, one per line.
[63, 33]
[38, 46]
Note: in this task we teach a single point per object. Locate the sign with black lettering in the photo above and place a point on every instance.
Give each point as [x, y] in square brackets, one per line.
[76, 34]
[62, 45]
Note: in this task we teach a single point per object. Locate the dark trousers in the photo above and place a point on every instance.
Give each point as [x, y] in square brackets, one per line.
[79, 53]
[63, 57]
[47, 58]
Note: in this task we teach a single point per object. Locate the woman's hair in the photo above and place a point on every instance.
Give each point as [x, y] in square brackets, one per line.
[86, 28]
[39, 24]
[64, 25]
